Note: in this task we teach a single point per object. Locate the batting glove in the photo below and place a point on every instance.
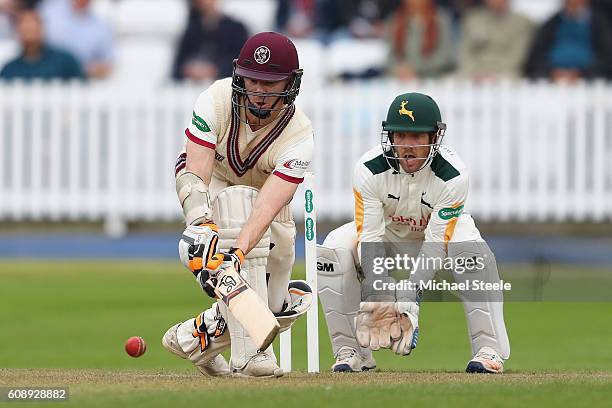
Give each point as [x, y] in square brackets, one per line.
[207, 276]
[197, 246]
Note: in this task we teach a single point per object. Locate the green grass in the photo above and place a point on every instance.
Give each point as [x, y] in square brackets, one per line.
[99, 388]
[75, 317]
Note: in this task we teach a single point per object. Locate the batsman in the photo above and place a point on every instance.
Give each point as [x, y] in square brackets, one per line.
[410, 191]
[247, 148]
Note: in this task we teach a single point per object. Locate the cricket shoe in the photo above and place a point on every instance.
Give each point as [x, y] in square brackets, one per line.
[209, 361]
[261, 365]
[348, 360]
[486, 361]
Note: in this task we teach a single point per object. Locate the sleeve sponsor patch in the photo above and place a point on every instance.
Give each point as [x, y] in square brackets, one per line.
[200, 123]
[448, 213]
[296, 164]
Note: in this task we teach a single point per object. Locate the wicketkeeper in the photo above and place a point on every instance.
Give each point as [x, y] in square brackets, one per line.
[246, 152]
[409, 190]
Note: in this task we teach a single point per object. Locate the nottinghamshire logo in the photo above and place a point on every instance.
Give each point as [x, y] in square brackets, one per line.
[448, 213]
[200, 123]
[404, 111]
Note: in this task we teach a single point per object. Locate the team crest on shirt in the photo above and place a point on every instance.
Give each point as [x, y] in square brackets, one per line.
[262, 54]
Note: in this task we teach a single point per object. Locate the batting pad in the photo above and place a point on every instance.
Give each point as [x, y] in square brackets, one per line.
[484, 311]
[231, 209]
[339, 288]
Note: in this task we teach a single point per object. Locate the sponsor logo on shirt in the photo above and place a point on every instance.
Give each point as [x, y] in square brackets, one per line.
[448, 213]
[296, 164]
[219, 157]
[200, 123]
[413, 224]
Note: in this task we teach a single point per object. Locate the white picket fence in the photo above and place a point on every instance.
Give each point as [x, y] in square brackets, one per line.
[537, 152]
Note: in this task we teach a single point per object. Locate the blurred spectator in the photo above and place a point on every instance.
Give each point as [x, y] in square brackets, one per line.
[354, 18]
[366, 18]
[37, 59]
[209, 44]
[296, 18]
[458, 8]
[330, 18]
[72, 25]
[575, 43]
[421, 43]
[8, 12]
[494, 41]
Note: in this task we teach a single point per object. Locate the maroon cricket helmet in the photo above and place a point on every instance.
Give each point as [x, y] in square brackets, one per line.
[267, 56]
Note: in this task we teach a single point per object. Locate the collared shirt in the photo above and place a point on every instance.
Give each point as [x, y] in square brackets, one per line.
[51, 64]
[83, 34]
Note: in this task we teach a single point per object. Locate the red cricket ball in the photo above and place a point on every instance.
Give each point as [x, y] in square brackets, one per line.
[135, 346]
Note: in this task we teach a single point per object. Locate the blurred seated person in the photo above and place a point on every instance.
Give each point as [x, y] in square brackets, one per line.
[296, 18]
[575, 43]
[366, 18]
[420, 41]
[73, 26]
[354, 18]
[37, 59]
[494, 41]
[209, 44]
[458, 9]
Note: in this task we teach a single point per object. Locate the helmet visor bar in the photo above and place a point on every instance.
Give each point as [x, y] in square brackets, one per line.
[394, 155]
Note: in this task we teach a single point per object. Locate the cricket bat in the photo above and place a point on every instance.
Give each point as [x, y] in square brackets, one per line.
[247, 307]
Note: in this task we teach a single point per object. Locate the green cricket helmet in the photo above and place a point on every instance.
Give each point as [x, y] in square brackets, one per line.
[412, 112]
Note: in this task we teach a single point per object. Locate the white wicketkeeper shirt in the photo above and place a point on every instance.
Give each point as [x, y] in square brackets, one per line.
[429, 205]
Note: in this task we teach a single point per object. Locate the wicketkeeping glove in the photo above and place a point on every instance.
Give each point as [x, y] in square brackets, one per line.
[377, 325]
[409, 323]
